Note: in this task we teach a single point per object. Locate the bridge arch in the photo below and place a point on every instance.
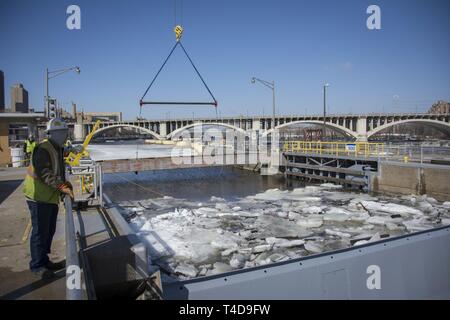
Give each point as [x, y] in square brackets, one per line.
[177, 131]
[440, 125]
[125, 125]
[331, 125]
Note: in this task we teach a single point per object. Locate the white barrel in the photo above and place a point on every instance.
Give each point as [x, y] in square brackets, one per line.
[17, 157]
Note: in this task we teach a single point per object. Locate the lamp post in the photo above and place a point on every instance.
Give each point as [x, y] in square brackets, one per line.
[52, 74]
[270, 85]
[325, 86]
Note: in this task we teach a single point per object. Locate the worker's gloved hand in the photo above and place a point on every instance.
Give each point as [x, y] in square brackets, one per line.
[67, 188]
[68, 184]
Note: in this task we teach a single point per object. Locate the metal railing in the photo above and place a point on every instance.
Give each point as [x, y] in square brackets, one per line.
[360, 149]
[394, 152]
[73, 270]
[90, 181]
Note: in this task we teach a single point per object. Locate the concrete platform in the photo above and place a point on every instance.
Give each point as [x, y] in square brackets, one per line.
[17, 282]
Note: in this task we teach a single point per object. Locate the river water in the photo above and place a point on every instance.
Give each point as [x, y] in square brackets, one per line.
[198, 184]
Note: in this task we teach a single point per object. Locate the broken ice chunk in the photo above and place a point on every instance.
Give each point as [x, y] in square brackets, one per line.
[269, 226]
[289, 243]
[314, 247]
[336, 210]
[391, 208]
[426, 206]
[186, 270]
[312, 221]
[360, 242]
[282, 214]
[227, 252]
[359, 217]
[222, 207]
[312, 210]
[238, 261]
[224, 243]
[379, 220]
[262, 248]
[394, 227]
[431, 200]
[338, 233]
[335, 217]
[218, 268]
[416, 225]
[293, 215]
[216, 199]
[277, 257]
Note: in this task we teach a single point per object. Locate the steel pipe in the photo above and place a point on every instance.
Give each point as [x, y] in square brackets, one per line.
[72, 257]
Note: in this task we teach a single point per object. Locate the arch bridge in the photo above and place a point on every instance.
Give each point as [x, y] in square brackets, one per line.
[359, 127]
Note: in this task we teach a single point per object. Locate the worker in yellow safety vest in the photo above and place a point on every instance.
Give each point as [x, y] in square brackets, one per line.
[28, 148]
[44, 184]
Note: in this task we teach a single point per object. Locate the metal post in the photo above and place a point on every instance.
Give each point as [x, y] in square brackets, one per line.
[324, 110]
[95, 182]
[273, 103]
[100, 179]
[46, 93]
[72, 259]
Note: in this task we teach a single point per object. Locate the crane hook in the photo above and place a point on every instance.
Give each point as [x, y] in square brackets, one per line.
[178, 32]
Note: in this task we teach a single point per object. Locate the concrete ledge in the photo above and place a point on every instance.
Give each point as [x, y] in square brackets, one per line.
[413, 178]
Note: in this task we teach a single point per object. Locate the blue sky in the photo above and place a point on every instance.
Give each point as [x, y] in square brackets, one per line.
[299, 44]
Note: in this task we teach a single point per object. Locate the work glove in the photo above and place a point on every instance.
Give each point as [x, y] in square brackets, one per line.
[67, 188]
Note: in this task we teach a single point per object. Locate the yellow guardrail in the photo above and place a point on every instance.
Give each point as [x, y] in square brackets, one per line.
[365, 149]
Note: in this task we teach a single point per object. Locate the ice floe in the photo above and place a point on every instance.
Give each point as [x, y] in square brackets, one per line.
[191, 240]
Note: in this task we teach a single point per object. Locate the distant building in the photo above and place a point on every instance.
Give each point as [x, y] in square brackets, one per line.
[102, 116]
[19, 98]
[440, 107]
[2, 91]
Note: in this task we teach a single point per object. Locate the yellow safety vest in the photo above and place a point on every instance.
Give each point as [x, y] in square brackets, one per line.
[30, 146]
[34, 188]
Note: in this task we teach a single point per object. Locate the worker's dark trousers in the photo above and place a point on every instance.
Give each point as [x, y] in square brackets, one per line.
[43, 221]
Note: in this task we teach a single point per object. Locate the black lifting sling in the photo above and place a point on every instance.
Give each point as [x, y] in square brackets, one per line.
[178, 31]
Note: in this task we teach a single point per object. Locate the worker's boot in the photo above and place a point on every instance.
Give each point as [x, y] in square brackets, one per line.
[54, 266]
[44, 273]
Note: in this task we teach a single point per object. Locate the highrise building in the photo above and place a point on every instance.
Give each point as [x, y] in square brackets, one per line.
[2, 91]
[19, 98]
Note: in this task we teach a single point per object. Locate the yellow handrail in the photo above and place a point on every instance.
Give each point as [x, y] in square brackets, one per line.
[73, 159]
[365, 149]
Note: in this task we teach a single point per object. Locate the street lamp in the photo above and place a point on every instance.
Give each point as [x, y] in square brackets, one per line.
[52, 74]
[270, 85]
[325, 86]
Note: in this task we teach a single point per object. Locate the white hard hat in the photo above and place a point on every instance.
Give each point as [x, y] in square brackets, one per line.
[56, 124]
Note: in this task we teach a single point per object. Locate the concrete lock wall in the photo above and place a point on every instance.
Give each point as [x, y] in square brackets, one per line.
[413, 178]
